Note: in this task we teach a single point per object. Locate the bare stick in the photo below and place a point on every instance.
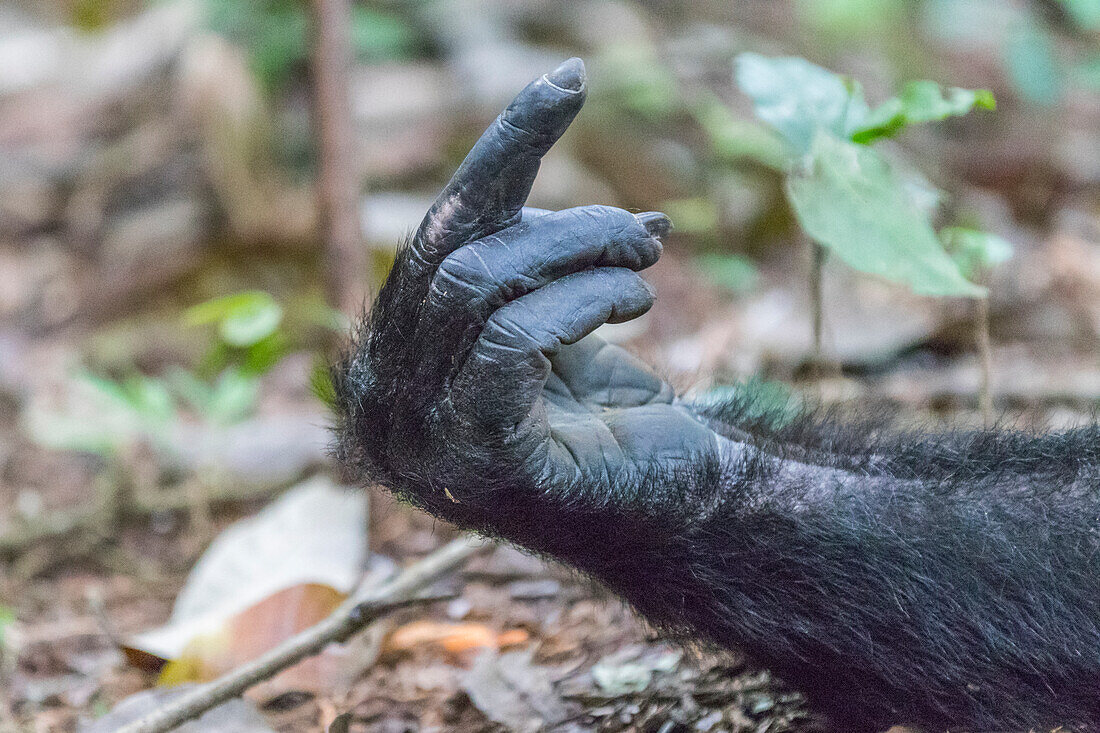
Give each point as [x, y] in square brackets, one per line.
[985, 357]
[337, 186]
[816, 296]
[350, 617]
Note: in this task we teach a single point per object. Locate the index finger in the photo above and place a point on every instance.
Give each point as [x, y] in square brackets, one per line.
[487, 191]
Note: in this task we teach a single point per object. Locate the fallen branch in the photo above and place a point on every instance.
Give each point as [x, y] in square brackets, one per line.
[352, 616]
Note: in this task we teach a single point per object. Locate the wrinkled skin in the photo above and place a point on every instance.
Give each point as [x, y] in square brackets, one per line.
[939, 580]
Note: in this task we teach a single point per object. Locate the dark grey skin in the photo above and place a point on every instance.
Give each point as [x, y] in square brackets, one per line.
[947, 581]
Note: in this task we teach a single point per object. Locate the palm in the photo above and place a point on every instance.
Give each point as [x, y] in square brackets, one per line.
[607, 411]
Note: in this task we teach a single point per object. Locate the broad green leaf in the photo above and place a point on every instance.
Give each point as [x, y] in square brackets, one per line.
[926, 101]
[192, 390]
[251, 325]
[734, 273]
[151, 398]
[920, 101]
[848, 200]
[798, 98]
[261, 356]
[975, 250]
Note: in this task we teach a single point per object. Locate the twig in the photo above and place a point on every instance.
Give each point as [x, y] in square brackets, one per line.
[817, 265]
[350, 617]
[985, 358]
[337, 187]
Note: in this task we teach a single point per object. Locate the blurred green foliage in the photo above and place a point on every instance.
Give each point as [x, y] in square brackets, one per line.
[276, 34]
[1032, 63]
[973, 250]
[850, 17]
[636, 80]
[7, 618]
[247, 341]
[729, 271]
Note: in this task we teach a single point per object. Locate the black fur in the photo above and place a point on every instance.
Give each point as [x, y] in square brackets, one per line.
[947, 581]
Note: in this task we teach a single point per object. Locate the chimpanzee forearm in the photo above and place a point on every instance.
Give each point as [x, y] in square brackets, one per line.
[960, 589]
[928, 580]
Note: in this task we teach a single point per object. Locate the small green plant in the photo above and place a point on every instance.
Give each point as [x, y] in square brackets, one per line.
[848, 198]
[845, 195]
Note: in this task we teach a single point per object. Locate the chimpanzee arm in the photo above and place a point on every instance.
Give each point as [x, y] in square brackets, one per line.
[932, 581]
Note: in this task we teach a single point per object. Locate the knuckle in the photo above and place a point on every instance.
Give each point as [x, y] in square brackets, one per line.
[463, 276]
[507, 327]
[611, 222]
[517, 134]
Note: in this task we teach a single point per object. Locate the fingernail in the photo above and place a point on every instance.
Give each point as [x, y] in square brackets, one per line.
[569, 76]
[656, 223]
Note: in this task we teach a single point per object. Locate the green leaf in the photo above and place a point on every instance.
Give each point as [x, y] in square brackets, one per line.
[848, 200]
[139, 407]
[799, 98]
[926, 101]
[974, 250]
[261, 356]
[244, 319]
[734, 273]
[188, 387]
[920, 101]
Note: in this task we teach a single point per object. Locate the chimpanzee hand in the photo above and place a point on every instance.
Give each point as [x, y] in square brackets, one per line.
[476, 373]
